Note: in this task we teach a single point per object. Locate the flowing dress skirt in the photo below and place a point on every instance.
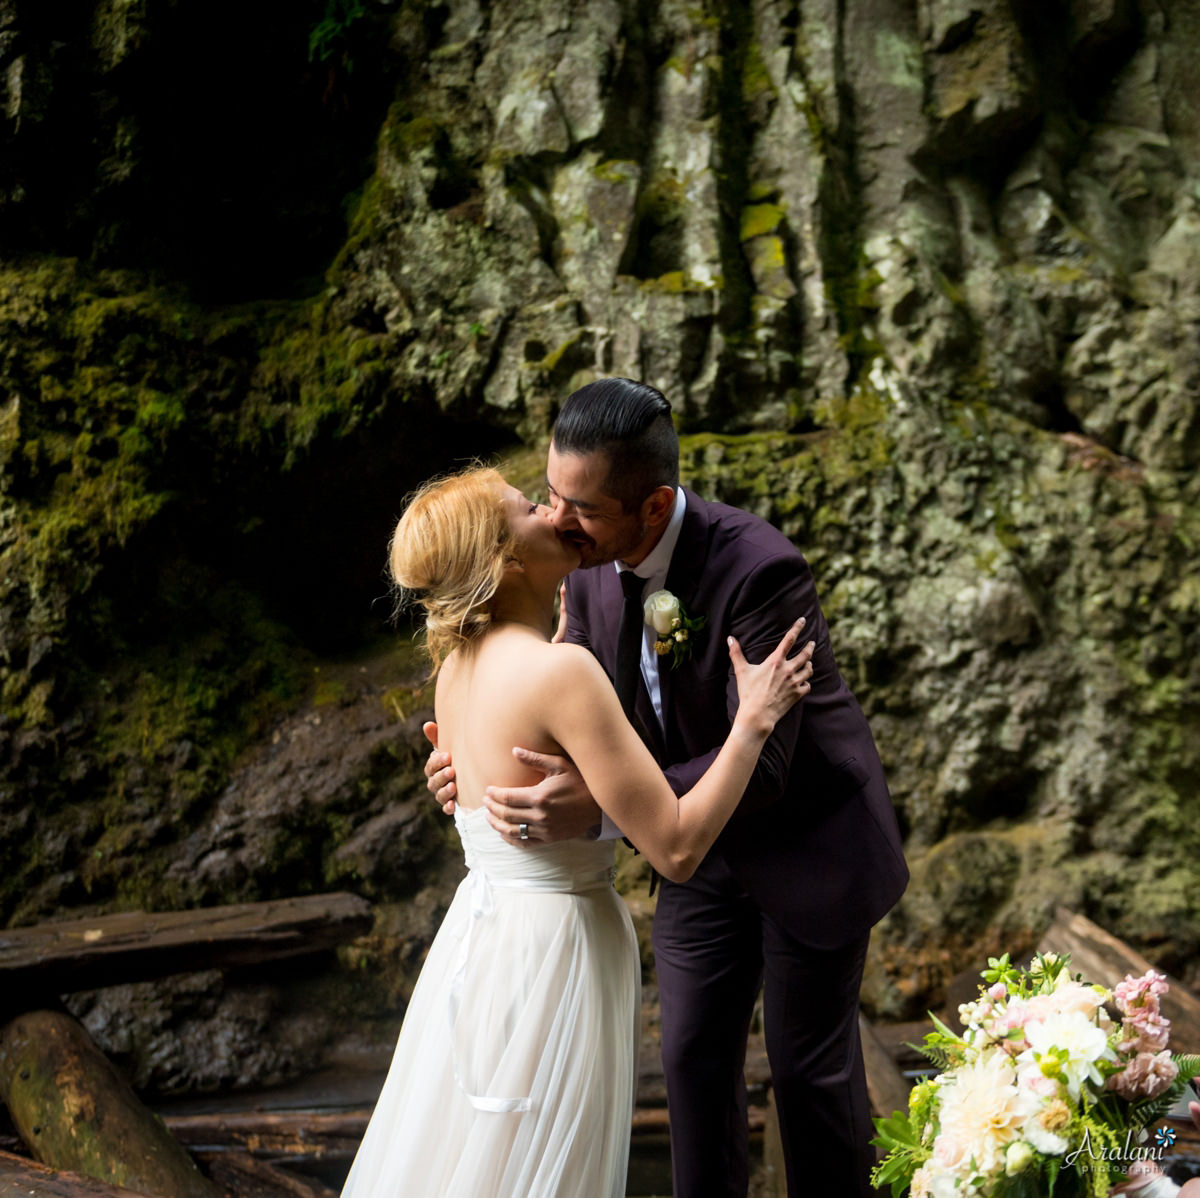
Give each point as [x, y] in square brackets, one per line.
[515, 1069]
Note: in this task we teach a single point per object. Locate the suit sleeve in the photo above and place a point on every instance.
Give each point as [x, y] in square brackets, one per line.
[576, 634]
[772, 599]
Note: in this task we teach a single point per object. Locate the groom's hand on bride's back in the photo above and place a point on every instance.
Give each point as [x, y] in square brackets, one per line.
[559, 807]
[439, 771]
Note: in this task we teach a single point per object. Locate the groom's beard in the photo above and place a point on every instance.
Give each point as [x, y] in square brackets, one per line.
[618, 549]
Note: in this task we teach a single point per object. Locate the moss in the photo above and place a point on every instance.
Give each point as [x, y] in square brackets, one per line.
[366, 221]
[620, 171]
[756, 80]
[403, 702]
[767, 256]
[404, 133]
[677, 282]
[331, 378]
[327, 692]
[758, 219]
[555, 358]
[662, 200]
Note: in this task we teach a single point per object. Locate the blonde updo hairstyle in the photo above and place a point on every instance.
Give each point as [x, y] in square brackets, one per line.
[449, 551]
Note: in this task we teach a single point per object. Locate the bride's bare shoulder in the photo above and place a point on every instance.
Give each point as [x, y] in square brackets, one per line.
[576, 664]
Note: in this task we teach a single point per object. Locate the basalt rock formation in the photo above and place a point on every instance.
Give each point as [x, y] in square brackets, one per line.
[921, 279]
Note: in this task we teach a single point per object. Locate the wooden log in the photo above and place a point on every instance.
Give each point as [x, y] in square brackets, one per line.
[887, 1087]
[75, 1111]
[307, 1134]
[22, 1178]
[85, 954]
[244, 1176]
[1103, 958]
[654, 1120]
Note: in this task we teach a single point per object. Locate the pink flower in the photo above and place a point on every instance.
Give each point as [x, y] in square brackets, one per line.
[1031, 1080]
[997, 992]
[1140, 994]
[1144, 1035]
[1011, 1018]
[1147, 1076]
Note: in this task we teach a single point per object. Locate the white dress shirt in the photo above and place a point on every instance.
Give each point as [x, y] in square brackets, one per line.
[653, 568]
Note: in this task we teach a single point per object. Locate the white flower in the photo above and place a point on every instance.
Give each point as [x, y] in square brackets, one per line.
[945, 1185]
[1067, 1045]
[660, 609]
[1017, 1158]
[1045, 1114]
[981, 1112]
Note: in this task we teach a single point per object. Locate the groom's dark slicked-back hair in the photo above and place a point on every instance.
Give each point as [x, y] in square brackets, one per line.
[630, 423]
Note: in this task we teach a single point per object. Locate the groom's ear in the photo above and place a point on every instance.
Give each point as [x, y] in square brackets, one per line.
[656, 507]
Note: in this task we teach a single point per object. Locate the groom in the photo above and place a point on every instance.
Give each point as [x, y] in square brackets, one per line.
[811, 859]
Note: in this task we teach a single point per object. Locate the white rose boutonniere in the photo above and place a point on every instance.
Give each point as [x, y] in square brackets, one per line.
[672, 626]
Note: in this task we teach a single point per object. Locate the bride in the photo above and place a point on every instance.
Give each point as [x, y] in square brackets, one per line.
[514, 1074]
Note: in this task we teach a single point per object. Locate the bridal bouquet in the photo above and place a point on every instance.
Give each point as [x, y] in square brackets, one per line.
[1049, 1091]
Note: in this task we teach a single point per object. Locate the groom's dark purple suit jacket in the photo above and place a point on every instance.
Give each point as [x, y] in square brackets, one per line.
[814, 841]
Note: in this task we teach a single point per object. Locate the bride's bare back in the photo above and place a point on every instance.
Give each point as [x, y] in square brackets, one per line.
[491, 699]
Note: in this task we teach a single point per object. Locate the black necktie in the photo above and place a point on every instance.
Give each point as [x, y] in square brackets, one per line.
[629, 642]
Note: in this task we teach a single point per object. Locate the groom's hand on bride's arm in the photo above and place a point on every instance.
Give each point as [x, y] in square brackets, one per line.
[439, 771]
[559, 807]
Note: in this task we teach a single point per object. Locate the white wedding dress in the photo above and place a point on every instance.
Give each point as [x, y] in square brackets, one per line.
[515, 1069]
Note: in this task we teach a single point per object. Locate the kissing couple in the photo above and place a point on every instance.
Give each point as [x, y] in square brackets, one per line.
[743, 771]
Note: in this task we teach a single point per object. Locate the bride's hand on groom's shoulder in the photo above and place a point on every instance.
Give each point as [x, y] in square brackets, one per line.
[768, 690]
[439, 771]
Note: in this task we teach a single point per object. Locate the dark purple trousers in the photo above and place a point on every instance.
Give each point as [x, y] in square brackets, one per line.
[713, 948]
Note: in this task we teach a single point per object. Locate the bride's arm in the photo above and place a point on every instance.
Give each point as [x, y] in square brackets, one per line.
[674, 834]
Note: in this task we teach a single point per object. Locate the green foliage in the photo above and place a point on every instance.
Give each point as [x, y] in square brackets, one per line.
[905, 1153]
[328, 37]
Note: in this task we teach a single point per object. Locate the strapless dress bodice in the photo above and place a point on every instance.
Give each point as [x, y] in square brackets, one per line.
[567, 866]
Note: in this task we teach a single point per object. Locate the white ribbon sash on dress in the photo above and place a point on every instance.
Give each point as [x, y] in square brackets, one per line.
[482, 905]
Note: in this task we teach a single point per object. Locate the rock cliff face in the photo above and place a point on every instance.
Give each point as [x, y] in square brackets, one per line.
[922, 280]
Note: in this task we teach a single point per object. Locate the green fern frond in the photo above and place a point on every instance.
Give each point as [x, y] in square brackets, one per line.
[1189, 1066]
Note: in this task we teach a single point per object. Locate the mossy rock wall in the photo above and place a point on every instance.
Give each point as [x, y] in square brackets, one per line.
[922, 283]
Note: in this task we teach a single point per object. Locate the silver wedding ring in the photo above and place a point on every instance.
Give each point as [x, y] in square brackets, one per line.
[523, 831]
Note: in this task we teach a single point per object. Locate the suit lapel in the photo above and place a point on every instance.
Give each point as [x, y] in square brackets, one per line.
[610, 600]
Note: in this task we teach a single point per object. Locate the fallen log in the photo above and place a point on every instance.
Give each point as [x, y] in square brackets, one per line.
[75, 1112]
[655, 1120]
[302, 1134]
[85, 954]
[23, 1178]
[1101, 957]
[244, 1176]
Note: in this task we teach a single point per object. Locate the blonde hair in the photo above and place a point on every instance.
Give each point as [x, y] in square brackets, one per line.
[450, 549]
